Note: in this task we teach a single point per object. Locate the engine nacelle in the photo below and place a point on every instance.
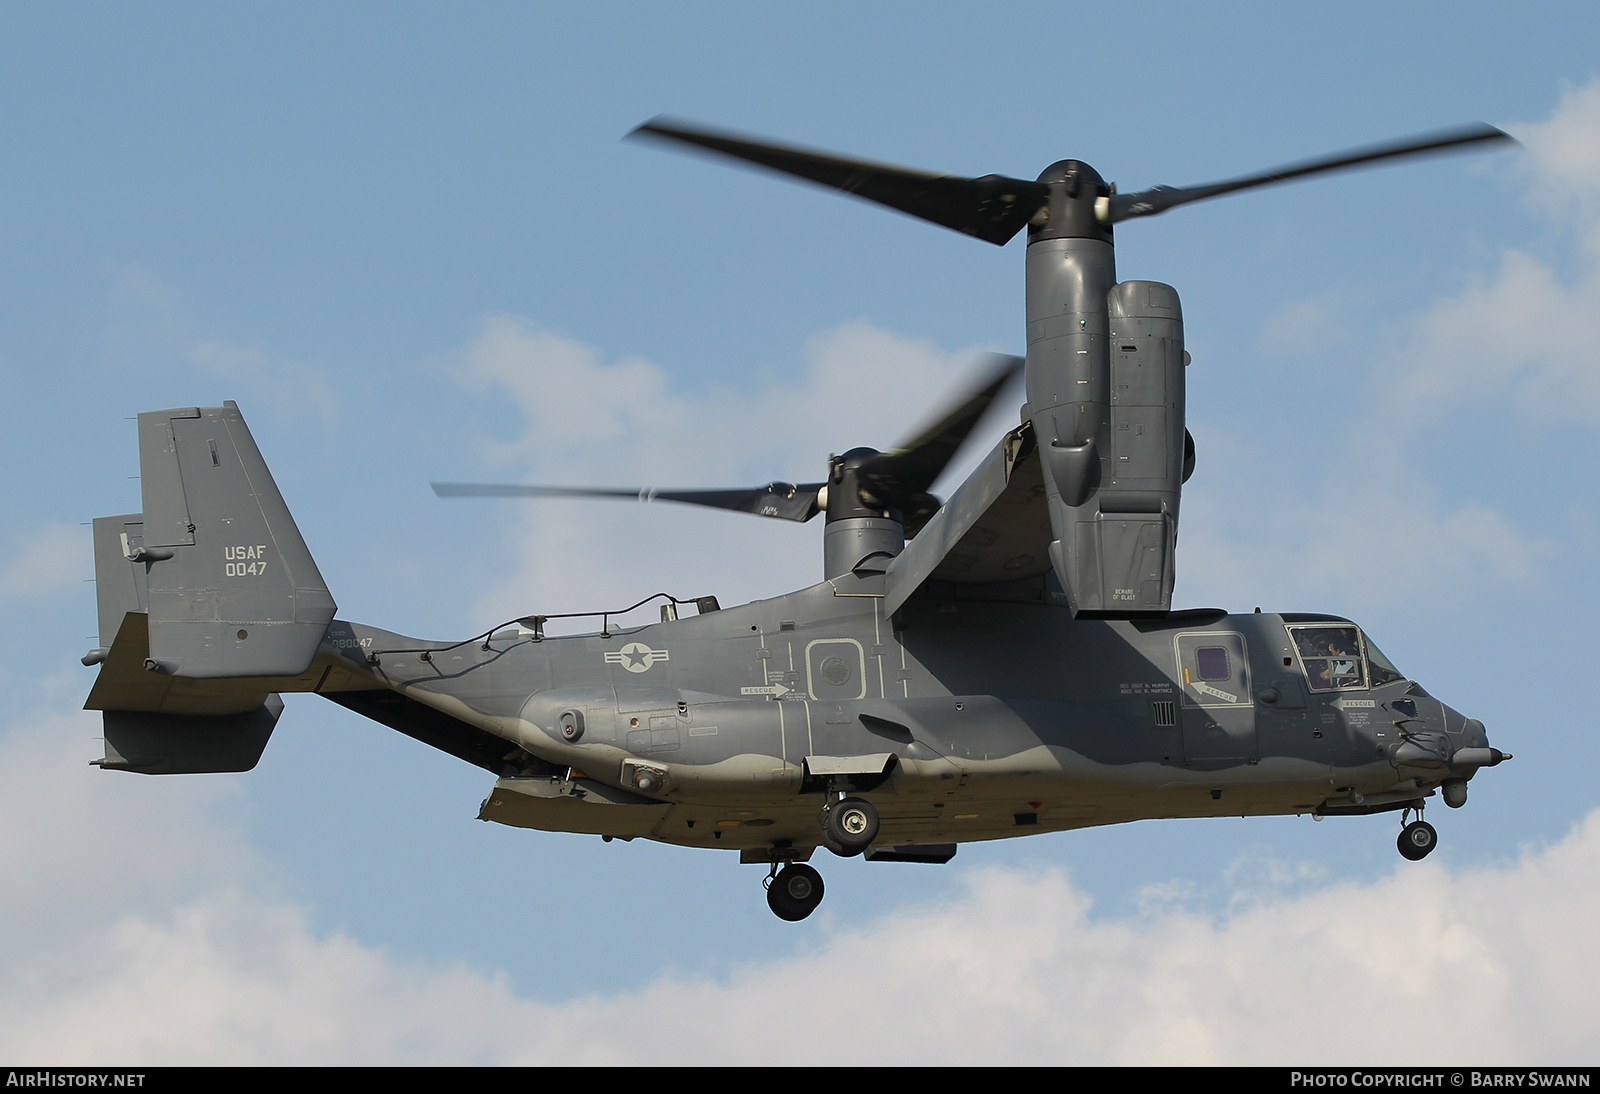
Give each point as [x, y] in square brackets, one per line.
[1118, 489]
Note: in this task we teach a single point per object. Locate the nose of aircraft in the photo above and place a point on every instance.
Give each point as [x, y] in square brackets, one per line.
[1434, 735]
[1471, 745]
[1473, 735]
[1474, 752]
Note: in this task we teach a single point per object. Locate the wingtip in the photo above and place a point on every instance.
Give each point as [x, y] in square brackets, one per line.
[666, 127]
[645, 128]
[1501, 135]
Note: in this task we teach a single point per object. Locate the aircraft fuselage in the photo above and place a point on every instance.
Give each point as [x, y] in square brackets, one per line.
[958, 719]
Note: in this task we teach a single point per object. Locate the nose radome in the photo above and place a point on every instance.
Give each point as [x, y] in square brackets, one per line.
[1471, 732]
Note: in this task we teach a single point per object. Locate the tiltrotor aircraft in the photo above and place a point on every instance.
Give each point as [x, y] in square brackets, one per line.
[1004, 663]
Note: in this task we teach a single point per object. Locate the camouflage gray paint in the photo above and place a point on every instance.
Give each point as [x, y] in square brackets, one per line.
[974, 711]
[1015, 668]
[962, 719]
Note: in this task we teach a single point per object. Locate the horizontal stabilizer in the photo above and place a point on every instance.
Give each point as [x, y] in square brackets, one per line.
[127, 682]
[232, 589]
[175, 744]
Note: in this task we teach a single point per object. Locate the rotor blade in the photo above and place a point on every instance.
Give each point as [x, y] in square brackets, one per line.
[1159, 199]
[993, 208]
[783, 500]
[910, 470]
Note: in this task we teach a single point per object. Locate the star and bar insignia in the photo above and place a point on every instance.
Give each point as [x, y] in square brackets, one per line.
[636, 657]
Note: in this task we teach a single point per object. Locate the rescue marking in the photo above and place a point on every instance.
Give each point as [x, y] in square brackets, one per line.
[1207, 689]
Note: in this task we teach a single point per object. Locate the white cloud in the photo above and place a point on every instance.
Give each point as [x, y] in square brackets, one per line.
[1347, 514]
[1528, 330]
[1564, 160]
[590, 422]
[1305, 325]
[141, 926]
[1352, 526]
[143, 930]
[572, 401]
[153, 325]
[859, 385]
[289, 384]
[230, 979]
[45, 562]
[1358, 530]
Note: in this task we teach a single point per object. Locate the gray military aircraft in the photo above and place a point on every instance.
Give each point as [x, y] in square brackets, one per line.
[1000, 664]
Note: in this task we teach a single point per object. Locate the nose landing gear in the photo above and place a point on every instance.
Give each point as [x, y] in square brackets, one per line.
[1417, 839]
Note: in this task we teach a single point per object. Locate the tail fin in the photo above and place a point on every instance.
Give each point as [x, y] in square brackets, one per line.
[216, 560]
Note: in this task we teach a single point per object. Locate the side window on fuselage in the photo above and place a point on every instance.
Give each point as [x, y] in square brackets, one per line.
[1211, 663]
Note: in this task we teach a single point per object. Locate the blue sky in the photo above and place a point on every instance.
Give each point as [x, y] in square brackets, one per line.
[409, 242]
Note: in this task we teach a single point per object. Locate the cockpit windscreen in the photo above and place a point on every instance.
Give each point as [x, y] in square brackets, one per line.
[1336, 658]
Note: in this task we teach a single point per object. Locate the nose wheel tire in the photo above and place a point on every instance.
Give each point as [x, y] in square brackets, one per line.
[850, 826]
[795, 892]
[1416, 840]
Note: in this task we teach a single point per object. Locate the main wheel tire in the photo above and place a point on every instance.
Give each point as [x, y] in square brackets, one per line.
[795, 892]
[1417, 840]
[850, 826]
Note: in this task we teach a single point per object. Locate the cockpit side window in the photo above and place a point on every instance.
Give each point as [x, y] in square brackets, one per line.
[1379, 666]
[1331, 656]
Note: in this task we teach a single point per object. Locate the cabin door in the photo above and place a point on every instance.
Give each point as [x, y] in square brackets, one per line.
[1219, 714]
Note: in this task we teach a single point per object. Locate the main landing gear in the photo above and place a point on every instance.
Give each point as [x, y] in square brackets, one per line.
[849, 826]
[794, 891]
[1417, 839]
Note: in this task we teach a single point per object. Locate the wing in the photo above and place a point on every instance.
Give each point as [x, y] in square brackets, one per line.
[995, 527]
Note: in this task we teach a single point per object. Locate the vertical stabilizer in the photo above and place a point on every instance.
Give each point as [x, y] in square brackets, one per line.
[231, 588]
